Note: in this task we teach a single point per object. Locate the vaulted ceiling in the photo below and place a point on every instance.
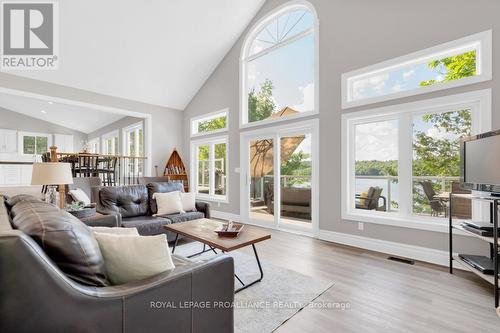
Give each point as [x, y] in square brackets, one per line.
[82, 119]
[158, 52]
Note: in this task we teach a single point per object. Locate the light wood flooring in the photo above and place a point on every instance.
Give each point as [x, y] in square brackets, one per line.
[385, 296]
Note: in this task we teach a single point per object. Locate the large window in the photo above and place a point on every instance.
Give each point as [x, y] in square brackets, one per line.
[402, 161]
[209, 168]
[210, 123]
[463, 61]
[93, 146]
[134, 140]
[110, 145]
[279, 66]
[34, 143]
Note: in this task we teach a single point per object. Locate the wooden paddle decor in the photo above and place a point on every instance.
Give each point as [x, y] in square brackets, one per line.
[176, 171]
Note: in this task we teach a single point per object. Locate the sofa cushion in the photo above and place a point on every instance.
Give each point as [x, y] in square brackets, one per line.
[188, 201]
[188, 216]
[64, 238]
[115, 231]
[132, 257]
[10, 202]
[129, 201]
[146, 225]
[168, 203]
[161, 187]
[79, 195]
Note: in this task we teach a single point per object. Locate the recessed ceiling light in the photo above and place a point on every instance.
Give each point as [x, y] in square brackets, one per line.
[50, 102]
[43, 111]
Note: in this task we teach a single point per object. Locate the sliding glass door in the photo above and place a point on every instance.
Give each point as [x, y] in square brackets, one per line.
[278, 177]
[261, 179]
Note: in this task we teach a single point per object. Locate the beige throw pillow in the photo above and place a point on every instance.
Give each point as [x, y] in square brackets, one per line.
[131, 258]
[188, 201]
[168, 203]
[116, 231]
[79, 196]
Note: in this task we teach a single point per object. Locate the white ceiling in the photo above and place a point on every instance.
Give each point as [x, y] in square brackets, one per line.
[75, 117]
[158, 51]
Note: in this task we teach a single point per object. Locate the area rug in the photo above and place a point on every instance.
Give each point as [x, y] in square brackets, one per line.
[266, 305]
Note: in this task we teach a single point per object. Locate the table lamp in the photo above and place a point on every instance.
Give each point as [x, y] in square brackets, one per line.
[52, 174]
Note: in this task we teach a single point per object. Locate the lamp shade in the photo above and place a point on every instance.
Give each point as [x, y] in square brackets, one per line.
[51, 174]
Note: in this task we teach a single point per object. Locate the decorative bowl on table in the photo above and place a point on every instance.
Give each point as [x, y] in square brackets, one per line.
[230, 229]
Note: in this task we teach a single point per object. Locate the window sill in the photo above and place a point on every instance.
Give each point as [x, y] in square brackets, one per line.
[214, 132]
[420, 223]
[210, 198]
[278, 120]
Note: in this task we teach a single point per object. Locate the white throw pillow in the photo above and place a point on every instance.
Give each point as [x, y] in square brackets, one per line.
[131, 258]
[78, 195]
[168, 203]
[116, 231]
[188, 201]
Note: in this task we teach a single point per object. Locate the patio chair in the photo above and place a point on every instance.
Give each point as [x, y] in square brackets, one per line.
[437, 206]
[371, 201]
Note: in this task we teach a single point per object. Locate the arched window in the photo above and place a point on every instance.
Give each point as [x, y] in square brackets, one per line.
[279, 65]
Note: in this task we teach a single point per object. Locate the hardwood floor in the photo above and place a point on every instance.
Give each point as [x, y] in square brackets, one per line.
[384, 296]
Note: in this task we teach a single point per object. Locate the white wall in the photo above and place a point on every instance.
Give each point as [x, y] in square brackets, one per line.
[20, 122]
[354, 34]
[166, 122]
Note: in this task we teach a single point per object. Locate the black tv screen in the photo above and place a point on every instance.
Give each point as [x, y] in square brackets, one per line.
[480, 162]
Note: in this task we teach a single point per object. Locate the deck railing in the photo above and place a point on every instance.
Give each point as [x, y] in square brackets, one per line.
[125, 171]
[388, 182]
[257, 188]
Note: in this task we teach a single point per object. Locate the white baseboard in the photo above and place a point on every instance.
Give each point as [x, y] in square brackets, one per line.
[397, 249]
[420, 253]
[224, 216]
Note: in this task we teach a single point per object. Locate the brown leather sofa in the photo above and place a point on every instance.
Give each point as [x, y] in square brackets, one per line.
[52, 279]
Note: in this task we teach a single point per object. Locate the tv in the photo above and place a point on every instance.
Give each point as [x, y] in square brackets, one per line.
[480, 162]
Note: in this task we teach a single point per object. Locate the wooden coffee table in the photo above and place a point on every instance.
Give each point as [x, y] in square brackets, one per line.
[202, 230]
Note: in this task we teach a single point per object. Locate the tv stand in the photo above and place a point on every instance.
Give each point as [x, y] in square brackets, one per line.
[493, 243]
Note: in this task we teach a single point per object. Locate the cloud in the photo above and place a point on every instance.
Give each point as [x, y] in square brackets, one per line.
[371, 86]
[396, 87]
[307, 98]
[440, 133]
[408, 74]
[377, 141]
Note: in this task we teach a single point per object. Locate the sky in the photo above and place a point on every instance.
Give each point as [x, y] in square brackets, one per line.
[290, 67]
[379, 140]
[402, 79]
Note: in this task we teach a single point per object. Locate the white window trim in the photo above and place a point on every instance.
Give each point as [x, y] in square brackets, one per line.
[209, 116]
[480, 100]
[96, 141]
[244, 58]
[20, 141]
[275, 132]
[126, 131]
[194, 168]
[110, 135]
[481, 42]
